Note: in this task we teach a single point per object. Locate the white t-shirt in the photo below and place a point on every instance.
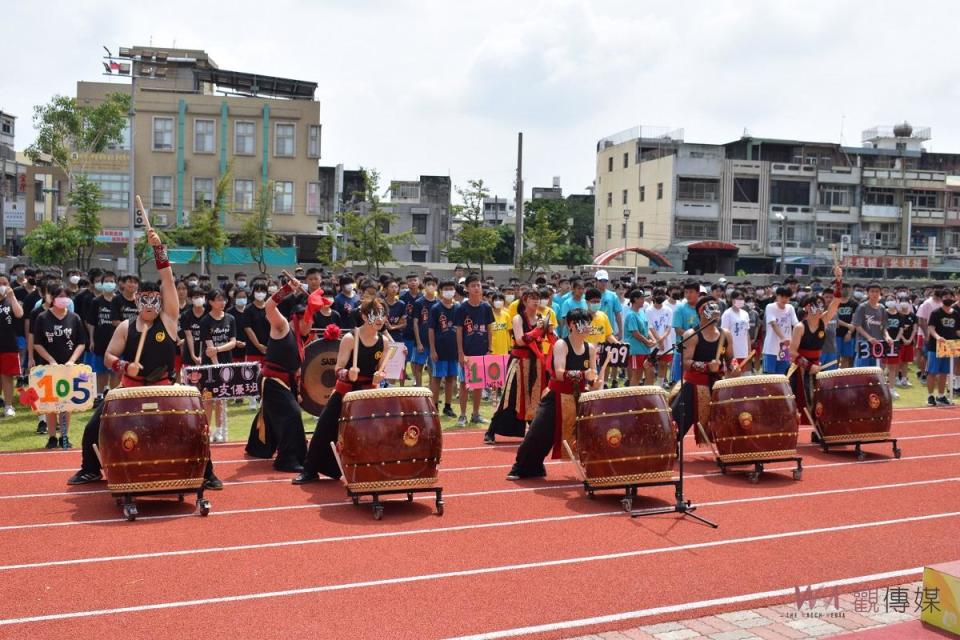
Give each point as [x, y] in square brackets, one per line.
[785, 318]
[661, 320]
[737, 322]
[924, 310]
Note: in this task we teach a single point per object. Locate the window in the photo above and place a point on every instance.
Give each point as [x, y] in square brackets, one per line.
[955, 201]
[313, 198]
[659, 191]
[161, 192]
[282, 197]
[418, 256]
[640, 229]
[244, 138]
[202, 192]
[243, 195]
[921, 199]
[691, 189]
[790, 192]
[626, 159]
[114, 189]
[419, 224]
[609, 198]
[405, 190]
[38, 190]
[643, 194]
[163, 134]
[832, 232]
[744, 230]
[285, 140]
[204, 136]
[695, 229]
[124, 143]
[882, 197]
[383, 225]
[6, 126]
[623, 231]
[624, 196]
[610, 163]
[834, 196]
[313, 141]
[746, 189]
[609, 231]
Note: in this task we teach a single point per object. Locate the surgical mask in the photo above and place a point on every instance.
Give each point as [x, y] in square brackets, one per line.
[594, 306]
[404, 291]
[759, 292]
[948, 302]
[348, 288]
[859, 295]
[259, 296]
[199, 302]
[240, 302]
[448, 294]
[98, 286]
[242, 284]
[509, 297]
[272, 289]
[3, 289]
[658, 299]
[61, 303]
[729, 290]
[191, 283]
[109, 287]
[891, 305]
[738, 303]
[497, 304]
[304, 286]
[74, 279]
[545, 302]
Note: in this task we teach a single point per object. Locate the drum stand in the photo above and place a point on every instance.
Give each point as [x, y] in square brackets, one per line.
[681, 505]
[817, 438]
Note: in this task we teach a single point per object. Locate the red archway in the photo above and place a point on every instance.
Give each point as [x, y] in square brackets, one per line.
[656, 258]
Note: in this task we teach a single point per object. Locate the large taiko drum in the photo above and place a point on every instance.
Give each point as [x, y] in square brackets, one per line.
[852, 404]
[753, 418]
[389, 439]
[625, 436]
[154, 440]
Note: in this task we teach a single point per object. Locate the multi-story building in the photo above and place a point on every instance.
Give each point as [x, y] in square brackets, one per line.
[499, 210]
[748, 203]
[193, 123]
[548, 193]
[421, 206]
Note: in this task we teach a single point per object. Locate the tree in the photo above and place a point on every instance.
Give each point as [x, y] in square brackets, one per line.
[324, 252]
[504, 251]
[255, 233]
[366, 227]
[474, 242]
[51, 242]
[206, 232]
[85, 199]
[542, 240]
[573, 255]
[143, 250]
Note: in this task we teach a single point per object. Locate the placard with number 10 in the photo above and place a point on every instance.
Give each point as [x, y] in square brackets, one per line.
[485, 371]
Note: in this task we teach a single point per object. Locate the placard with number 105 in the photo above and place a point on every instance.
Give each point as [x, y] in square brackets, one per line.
[63, 387]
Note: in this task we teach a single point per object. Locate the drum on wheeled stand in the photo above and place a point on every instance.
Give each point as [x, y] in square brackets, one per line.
[389, 442]
[852, 407]
[154, 441]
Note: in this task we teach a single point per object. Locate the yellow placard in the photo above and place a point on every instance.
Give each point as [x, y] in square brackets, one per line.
[948, 348]
[940, 604]
[62, 388]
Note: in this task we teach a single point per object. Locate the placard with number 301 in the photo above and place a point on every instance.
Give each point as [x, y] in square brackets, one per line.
[63, 387]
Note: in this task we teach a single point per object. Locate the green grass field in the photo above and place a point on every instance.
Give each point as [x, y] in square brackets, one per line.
[18, 433]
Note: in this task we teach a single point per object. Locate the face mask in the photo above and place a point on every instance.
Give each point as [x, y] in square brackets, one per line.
[242, 284]
[199, 302]
[759, 292]
[498, 304]
[676, 297]
[74, 279]
[738, 303]
[404, 291]
[61, 303]
[891, 306]
[859, 295]
[304, 286]
[272, 289]
[259, 296]
[109, 287]
[240, 302]
[448, 294]
[149, 302]
[729, 291]
[98, 286]
[509, 297]
[948, 302]
[658, 299]
[544, 302]
[348, 288]
[711, 311]
[594, 306]
[582, 328]
[191, 283]
[3, 289]
[32, 282]
[375, 318]
[751, 305]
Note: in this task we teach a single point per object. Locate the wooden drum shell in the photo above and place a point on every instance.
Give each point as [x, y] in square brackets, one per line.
[754, 418]
[153, 439]
[389, 439]
[625, 436]
[852, 404]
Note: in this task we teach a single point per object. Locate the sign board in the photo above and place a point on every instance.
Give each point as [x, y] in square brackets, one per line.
[221, 381]
[886, 262]
[485, 371]
[619, 355]
[56, 388]
[948, 349]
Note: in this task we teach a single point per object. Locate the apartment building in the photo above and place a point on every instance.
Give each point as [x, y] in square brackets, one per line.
[421, 206]
[195, 121]
[499, 210]
[747, 203]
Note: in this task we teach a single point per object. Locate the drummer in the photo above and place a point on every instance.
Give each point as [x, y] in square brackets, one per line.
[157, 312]
[278, 426]
[574, 369]
[705, 355]
[358, 367]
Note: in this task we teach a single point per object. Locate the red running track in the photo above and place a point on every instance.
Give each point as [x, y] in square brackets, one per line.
[525, 559]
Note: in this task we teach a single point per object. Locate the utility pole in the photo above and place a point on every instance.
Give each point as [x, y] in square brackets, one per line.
[518, 239]
[131, 227]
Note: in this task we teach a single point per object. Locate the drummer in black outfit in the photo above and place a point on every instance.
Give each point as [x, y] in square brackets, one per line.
[158, 311]
[365, 375]
[278, 426]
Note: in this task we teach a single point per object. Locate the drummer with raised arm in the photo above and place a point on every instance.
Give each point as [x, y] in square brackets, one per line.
[142, 353]
[358, 367]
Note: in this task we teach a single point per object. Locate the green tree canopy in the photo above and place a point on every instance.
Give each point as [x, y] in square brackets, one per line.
[474, 243]
[368, 237]
[50, 243]
[255, 234]
[85, 199]
[205, 230]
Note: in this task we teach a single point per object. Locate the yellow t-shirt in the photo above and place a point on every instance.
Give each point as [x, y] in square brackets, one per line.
[600, 328]
[501, 332]
[550, 315]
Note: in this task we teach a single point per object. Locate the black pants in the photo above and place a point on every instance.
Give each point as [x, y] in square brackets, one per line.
[538, 441]
[283, 427]
[320, 458]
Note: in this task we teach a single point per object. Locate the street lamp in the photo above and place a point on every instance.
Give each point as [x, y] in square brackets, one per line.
[626, 221]
[783, 243]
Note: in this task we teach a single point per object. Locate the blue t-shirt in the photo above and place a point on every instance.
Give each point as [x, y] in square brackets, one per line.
[445, 331]
[474, 321]
[610, 305]
[409, 302]
[396, 312]
[566, 307]
[345, 306]
[635, 321]
[685, 317]
[421, 311]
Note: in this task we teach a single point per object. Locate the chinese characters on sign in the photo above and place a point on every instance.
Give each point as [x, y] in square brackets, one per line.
[886, 262]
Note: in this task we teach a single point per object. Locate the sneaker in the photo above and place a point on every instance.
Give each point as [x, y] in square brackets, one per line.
[52, 442]
[894, 394]
[476, 419]
[213, 483]
[488, 438]
[9, 411]
[931, 401]
[514, 474]
[42, 427]
[944, 401]
[906, 383]
[462, 421]
[65, 443]
[305, 476]
[448, 411]
[84, 477]
[485, 395]
[220, 436]
[253, 404]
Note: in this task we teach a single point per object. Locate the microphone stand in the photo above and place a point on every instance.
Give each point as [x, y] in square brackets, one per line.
[682, 506]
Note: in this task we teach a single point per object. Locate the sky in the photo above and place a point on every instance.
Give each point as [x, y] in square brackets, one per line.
[417, 87]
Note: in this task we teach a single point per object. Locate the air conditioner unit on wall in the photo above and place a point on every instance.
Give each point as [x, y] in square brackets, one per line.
[877, 242]
[845, 239]
[159, 219]
[865, 242]
[820, 238]
[953, 251]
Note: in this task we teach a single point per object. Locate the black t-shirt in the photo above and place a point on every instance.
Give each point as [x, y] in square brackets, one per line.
[8, 328]
[945, 324]
[907, 322]
[82, 302]
[220, 332]
[845, 314]
[58, 337]
[238, 352]
[189, 321]
[100, 317]
[21, 294]
[123, 309]
[255, 319]
[321, 322]
[29, 302]
[893, 324]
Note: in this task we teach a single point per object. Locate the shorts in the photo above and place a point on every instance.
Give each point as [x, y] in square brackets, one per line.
[636, 360]
[418, 357]
[772, 365]
[21, 343]
[906, 353]
[828, 357]
[10, 363]
[846, 348]
[411, 346]
[446, 369]
[97, 364]
[897, 359]
[937, 366]
[253, 357]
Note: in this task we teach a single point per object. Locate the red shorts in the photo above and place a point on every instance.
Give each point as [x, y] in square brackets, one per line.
[894, 359]
[906, 353]
[10, 364]
[666, 358]
[253, 358]
[177, 363]
[636, 361]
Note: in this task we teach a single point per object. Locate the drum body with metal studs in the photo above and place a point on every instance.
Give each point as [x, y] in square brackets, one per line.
[852, 404]
[753, 418]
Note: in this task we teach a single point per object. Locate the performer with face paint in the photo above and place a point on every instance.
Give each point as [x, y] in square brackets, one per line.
[573, 364]
[705, 356]
[353, 374]
[806, 343]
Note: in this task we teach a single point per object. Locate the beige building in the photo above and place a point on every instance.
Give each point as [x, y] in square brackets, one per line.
[193, 122]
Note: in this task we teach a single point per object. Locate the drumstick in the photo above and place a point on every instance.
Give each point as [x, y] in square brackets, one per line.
[703, 434]
[336, 455]
[143, 337]
[576, 463]
[356, 347]
[826, 366]
[745, 361]
[793, 367]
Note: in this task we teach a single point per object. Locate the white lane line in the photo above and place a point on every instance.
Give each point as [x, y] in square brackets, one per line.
[685, 606]
[478, 571]
[487, 525]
